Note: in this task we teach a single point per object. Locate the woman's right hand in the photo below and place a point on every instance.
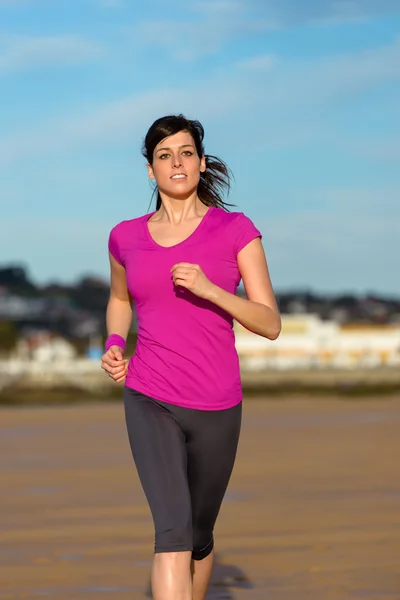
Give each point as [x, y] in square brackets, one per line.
[114, 364]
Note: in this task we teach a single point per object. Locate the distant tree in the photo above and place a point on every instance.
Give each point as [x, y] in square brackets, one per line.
[15, 279]
[346, 301]
[91, 294]
[8, 335]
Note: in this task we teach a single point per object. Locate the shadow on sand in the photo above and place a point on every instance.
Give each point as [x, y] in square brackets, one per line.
[224, 579]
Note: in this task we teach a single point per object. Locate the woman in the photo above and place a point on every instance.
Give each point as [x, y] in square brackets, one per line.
[181, 266]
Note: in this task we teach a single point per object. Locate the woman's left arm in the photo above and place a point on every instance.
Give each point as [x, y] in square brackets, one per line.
[259, 313]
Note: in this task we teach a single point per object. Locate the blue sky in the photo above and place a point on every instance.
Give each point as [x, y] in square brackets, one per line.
[301, 99]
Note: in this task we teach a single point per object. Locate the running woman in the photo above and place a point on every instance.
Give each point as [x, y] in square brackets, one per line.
[180, 266]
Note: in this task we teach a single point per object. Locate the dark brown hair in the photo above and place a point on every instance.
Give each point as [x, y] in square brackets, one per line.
[215, 182]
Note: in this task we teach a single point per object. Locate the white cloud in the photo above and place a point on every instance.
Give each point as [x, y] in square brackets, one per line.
[292, 12]
[23, 52]
[349, 244]
[305, 84]
[382, 151]
[382, 199]
[262, 62]
[191, 40]
[282, 94]
[117, 121]
[208, 24]
[333, 252]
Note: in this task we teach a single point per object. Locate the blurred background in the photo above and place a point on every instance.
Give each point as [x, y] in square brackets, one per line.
[302, 100]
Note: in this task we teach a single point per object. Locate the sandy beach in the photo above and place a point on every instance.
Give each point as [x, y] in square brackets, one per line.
[312, 510]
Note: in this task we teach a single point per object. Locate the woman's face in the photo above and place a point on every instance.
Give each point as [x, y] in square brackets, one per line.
[176, 165]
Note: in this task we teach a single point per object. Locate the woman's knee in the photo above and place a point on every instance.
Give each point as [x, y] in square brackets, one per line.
[203, 544]
[174, 539]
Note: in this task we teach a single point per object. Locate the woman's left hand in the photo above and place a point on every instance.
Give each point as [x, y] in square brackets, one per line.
[192, 278]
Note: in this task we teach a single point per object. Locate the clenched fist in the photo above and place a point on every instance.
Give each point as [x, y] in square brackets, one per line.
[114, 364]
[192, 278]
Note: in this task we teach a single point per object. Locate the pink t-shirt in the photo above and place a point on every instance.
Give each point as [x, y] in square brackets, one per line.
[185, 352]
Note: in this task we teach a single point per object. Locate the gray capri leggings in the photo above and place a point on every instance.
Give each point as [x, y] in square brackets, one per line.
[184, 458]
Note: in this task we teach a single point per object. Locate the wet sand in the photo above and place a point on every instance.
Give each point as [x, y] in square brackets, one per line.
[312, 510]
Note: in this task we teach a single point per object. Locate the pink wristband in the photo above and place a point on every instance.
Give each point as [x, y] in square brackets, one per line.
[115, 340]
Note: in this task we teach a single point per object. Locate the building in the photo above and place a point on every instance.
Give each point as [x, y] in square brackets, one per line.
[307, 341]
[44, 347]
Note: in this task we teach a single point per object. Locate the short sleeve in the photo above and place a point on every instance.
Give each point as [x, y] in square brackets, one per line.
[113, 246]
[245, 232]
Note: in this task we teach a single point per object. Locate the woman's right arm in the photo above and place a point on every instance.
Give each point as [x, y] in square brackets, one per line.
[119, 307]
[118, 321]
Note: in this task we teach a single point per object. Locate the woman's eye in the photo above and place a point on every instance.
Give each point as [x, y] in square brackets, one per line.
[167, 155]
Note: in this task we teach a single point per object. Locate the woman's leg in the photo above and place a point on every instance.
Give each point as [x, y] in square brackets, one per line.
[201, 574]
[211, 449]
[158, 448]
[170, 576]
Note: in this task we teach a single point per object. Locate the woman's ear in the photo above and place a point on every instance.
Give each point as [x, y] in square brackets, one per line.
[203, 165]
[150, 171]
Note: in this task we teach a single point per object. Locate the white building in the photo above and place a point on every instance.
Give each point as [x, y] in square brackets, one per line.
[43, 347]
[308, 341]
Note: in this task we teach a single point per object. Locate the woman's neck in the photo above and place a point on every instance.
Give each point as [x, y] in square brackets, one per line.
[176, 210]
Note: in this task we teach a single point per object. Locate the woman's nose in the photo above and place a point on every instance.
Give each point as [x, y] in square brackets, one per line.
[176, 160]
